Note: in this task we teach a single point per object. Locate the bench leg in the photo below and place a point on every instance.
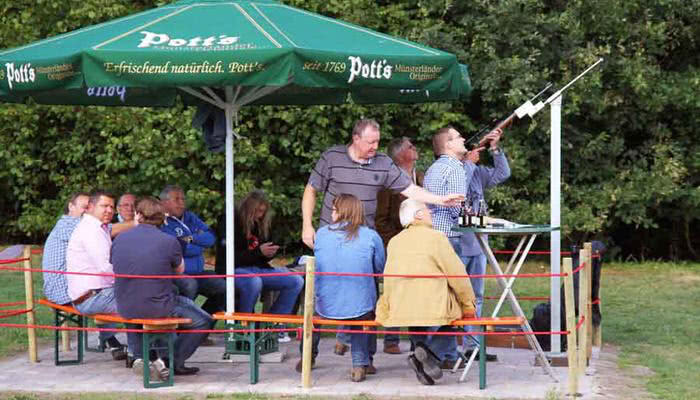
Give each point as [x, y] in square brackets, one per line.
[149, 340]
[254, 354]
[100, 346]
[61, 318]
[482, 360]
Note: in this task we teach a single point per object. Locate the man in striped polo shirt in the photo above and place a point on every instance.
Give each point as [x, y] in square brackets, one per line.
[359, 170]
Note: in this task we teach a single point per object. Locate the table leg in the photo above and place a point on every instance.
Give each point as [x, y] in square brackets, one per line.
[515, 306]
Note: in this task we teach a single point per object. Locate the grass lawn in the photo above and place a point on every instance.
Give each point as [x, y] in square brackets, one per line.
[650, 311]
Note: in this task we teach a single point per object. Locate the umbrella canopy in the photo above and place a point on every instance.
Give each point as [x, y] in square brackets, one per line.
[228, 53]
[311, 59]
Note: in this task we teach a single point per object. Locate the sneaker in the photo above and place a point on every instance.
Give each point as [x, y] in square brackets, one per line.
[161, 370]
[358, 374]
[283, 337]
[417, 367]
[137, 368]
[118, 353]
[186, 370]
[392, 348]
[446, 363]
[340, 348]
[489, 357]
[370, 369]
[431, 364]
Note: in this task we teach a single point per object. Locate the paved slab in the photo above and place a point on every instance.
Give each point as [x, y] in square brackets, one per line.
[513, 376]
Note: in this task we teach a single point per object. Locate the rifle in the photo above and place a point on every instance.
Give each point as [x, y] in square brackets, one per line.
[506, 122]
[528, 108]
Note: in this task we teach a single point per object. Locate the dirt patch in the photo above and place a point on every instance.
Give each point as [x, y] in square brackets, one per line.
[613, 382]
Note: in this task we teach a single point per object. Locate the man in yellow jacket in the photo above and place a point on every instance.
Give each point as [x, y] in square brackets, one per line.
[426, 304]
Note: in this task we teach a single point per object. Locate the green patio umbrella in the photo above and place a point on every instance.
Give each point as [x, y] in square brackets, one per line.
[228, 53]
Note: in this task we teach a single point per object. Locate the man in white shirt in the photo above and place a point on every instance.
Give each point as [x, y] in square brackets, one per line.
[89, 251]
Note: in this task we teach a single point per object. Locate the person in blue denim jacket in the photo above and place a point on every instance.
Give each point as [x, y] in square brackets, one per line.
[348, 246]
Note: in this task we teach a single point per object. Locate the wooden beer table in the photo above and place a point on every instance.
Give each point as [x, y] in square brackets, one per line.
[527, 235]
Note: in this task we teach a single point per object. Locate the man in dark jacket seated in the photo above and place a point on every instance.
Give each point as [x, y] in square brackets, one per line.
[145, 250]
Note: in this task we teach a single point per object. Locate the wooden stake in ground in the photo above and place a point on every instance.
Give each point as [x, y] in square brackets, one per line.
[571, 351]
[29, 298]
[589, 303]
[598, 330]
[582, 300]
[308, 323]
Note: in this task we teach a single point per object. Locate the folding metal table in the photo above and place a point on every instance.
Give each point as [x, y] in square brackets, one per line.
[527, 235]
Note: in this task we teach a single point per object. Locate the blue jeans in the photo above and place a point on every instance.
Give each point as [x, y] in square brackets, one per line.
[473, 265]
[186, 343]
[248, 289]
[214, 289]
[103, 302]
[476, 265]
[363, 346]
[438, 344]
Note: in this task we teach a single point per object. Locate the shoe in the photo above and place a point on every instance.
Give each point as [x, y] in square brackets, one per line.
[489, 357]
[130, 361]
[370, 369]
[446, 363]
[340, 348]
[283, 337]
[118, 353]
[137, 368]
[358, 374]
[298, 367]
[420, 373]
[208, 342]
[161, 370]
[431, 364]
[392, 348]
[186, 370]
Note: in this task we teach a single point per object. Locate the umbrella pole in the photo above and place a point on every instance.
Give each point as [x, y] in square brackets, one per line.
[230, 283]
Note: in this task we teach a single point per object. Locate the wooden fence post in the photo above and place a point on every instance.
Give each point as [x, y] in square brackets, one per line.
[306, 355]
[582, 299]
[571, 350]
[589, 299]
[29, 298]
[598, 330]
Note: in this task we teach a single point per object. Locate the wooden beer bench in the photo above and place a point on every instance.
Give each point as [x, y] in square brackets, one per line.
[266, 321]
[67, 313]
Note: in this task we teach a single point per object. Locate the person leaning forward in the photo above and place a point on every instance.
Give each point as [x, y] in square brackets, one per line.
[145, 250]
[423, 304]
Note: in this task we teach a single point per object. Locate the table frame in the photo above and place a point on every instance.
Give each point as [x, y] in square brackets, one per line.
[527, 233]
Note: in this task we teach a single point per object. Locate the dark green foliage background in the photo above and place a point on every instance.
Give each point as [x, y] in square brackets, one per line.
[630, 162]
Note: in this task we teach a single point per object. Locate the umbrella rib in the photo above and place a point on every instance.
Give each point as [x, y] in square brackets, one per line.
[201, 96]
[213, 94]
[114, 39]
[258, 92]
[273, 24]
[78, 32]
[357, 28]
[257, 26]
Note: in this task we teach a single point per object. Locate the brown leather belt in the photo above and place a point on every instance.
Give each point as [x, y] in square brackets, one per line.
[86, 296]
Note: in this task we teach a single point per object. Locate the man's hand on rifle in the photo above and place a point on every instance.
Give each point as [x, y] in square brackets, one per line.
[492, 138]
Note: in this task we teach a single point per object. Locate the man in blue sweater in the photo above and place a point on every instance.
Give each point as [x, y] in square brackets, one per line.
[194, 237]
